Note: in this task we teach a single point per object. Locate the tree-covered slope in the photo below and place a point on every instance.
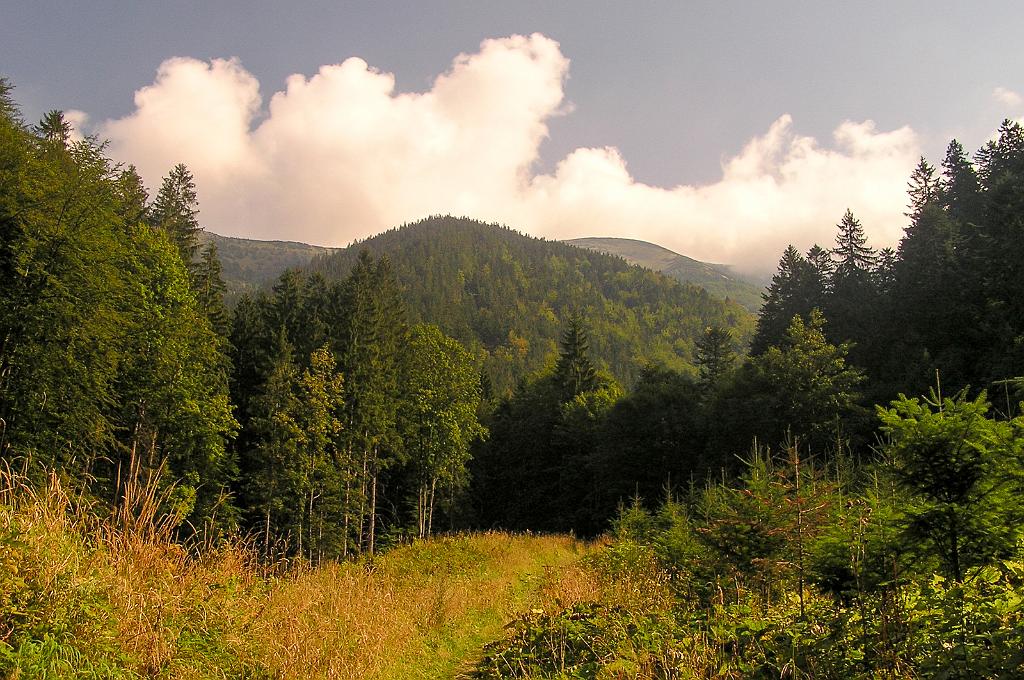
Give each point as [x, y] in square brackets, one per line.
[248, 263]
[718, 279]
[509, 296]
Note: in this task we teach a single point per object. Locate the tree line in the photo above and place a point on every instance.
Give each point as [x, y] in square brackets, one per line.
[328, 416]
[313, 416]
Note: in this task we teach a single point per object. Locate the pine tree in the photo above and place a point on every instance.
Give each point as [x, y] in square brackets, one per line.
[133, 197]
[964, 472]
[54, 129]
[923, 188]
[175, 209]
[715, 356]
[322, 470]
[852, 254]
[853, 301]
[796, 288]
[209, 286]
[574, 372]
[272, 466]
[824, 266]
[959, 191]
[373, 330]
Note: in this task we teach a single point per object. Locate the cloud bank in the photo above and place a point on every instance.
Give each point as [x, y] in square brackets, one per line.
[341, 155]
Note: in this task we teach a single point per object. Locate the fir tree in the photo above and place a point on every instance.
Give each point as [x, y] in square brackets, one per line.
[574, 372]
[175, 209]
[796, 288]
[715, 356]
[209, 286]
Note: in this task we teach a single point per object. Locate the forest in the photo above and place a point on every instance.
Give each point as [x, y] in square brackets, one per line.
[832, 489]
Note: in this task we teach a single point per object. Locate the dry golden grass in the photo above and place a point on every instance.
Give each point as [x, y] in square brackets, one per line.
[121, 599]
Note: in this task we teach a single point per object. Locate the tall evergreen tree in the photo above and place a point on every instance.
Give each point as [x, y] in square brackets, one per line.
[209, 285]
[272, 465]
[175, 210]
[373, 330]
[796, 288]
[715, 356]
[574, 372]
[959, 188]
[923, 189]
[853, 300]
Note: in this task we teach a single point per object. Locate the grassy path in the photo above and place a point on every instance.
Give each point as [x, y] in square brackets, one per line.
[473, 602]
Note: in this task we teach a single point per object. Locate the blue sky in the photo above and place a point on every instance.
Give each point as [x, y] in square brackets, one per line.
[684, 96]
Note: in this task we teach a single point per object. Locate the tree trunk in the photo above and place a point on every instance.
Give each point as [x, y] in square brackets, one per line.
[373, 511]
[266, 534]
[345, 520]
[430, 516]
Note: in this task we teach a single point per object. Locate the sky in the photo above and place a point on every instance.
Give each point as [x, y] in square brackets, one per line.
[722, 130]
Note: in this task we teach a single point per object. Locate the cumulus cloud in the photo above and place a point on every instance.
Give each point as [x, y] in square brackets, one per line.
[1007, 97]
[341, 155]
[78, 120]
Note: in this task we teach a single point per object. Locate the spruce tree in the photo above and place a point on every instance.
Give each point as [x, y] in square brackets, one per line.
[209, 286]
[796, 288]
[715, 356]
[175, 210]
[853, 301]
[574, 372]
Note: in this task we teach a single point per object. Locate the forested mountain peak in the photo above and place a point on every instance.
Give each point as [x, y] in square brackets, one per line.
[509, 296]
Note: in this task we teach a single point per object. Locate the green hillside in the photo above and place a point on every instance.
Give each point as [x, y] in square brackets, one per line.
[248, 263]
[509, 296]
[718, 279]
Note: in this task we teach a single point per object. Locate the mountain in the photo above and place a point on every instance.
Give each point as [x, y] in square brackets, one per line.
[509, 297]
[248, 264]
[718, 279]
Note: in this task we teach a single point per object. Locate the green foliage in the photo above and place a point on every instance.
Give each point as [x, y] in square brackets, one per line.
[107, 369]
[715, 356]
[509, 297]
[583, 641]
[964, 473]
[438, 417]
[175, 211]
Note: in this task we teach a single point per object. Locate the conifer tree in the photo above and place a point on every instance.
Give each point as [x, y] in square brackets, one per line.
[852, 254]
[372, 325]
[133, 197]
[322, 470]
[923, 188]
[175, 210]
[959, 190]
[209, 286]
[574, 372]
[964, 471]
[796, 288]
[853, 299]
[273, 463]
[715, 356]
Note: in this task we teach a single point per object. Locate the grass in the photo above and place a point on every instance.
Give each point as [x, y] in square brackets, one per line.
[116, 598]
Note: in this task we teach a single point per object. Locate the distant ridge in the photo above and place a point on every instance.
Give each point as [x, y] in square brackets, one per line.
[248, 264]
[509, 296]
[718, 279]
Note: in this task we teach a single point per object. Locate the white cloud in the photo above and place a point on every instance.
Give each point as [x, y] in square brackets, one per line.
[340, 155]
[1007, 97]
[78, 120]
